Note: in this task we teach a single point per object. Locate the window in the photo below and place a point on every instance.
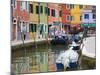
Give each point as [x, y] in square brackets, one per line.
[41, 9]
[60, 13]
[72, 18]
[68, 6]
[27, 26]
[21, 4]
[23, 27]
[26, 4]
[68, 17]
[45, 28]
[48, 11]
[14, 2]
[71, 6]
[94, 16]
[31, 8]
[37, 9]
[94, 11]
[86, 16]
[94, 7]
[80, 6]
[11, 2]
[80, 18]
[53, 12]
[41, 28]
[32, 27]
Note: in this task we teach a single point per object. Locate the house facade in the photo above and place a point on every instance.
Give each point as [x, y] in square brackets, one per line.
[66, 16]
[20, 20]
[89, 16]
[54, 18]
[34, 20]
[76, 15]
[43, 16]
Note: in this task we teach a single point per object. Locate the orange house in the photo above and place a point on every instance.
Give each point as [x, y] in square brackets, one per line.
[66, 16]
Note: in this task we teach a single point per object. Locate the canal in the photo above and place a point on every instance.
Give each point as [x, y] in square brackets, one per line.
[41, 59]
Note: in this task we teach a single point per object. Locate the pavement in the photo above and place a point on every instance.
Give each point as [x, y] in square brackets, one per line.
[89, 47]
[14, 43]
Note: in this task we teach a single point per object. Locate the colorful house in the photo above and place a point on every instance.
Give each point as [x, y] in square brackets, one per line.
[14, 5]
[20, 20]
[43, 20]
[76, 14]
[59, 23]
[53, 13]
[89, 16]
[60, 14]
[38, 20]
[54, 20]
[66, 16]
[34, 20]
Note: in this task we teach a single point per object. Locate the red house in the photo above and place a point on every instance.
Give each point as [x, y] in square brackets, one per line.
[54, 18]
[20, 24]
[53, 13]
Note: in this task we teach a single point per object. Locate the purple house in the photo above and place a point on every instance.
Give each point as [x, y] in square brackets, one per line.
[89, 16]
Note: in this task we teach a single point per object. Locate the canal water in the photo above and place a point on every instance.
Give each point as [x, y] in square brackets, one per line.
[33, 60]
[42, 59]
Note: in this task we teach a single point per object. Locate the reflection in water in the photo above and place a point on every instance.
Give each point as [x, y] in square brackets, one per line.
[41, 59]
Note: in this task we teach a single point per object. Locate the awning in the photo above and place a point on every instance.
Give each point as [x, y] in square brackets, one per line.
[77, 25]
[89, 25]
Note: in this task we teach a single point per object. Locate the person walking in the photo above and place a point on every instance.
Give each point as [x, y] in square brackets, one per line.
[24, 32]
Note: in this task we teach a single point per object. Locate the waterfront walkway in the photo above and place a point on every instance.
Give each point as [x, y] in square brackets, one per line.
[14, 43]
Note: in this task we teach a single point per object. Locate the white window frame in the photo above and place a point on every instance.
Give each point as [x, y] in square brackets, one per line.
[68, 6]
[14, 2]
[21, 4]
[27, 27]
[67, 18]
[27, 6]
[72, 19]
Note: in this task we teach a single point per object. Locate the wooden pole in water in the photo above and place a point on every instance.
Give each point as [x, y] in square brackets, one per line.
[23, 44]
[80, 52]
[48, 41]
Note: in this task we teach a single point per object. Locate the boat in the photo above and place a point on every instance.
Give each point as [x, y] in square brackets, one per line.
[68, 60]
[60, 38]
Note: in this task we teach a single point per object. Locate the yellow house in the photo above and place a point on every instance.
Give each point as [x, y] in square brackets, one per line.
[34, 20]
[76, 14]
[38, 20]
